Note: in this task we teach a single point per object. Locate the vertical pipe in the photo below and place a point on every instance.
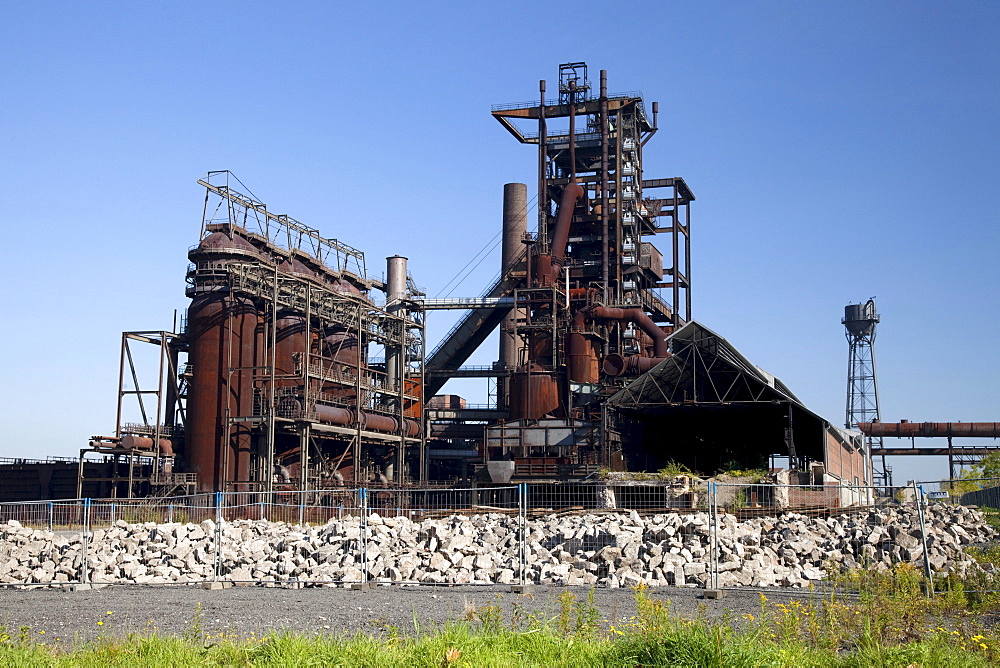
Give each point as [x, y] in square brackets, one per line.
[269, 465]
[515, 226]
[543, 192]
[605, 130]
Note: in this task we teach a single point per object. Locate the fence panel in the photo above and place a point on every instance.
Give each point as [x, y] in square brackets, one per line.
[437, 536]
[794, 535]
[597, 533]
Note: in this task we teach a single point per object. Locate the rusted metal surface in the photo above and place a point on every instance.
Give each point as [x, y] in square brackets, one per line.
[583, 364]
[373, 421]
[560, 236]
[641, 320]
[534, 393]
[222, 332]
[633, 365]
[904, 429]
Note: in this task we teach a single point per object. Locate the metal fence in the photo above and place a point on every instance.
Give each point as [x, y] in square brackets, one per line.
[679, 532]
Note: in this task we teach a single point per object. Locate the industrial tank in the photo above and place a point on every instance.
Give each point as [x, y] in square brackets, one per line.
[860, 319]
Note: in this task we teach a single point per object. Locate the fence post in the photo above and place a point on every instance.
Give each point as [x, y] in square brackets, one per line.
[51, 512]
[363, 534]
[114, 507]
[712, 581]
[302, 508]
[919, 497]
[218, 535]
[84, 536]
[522, 557]
[170, 514]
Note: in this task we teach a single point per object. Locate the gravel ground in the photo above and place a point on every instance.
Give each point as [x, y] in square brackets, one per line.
[57, 616]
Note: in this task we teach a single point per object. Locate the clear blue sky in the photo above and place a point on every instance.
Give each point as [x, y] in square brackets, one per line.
[838, 151]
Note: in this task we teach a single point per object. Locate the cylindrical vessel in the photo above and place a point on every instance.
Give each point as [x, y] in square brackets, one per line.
[534, 393]
[290, 344]
[583, 367]
[860, 319]
[222, 349]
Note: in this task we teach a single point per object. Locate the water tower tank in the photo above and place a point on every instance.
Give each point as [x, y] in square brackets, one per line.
[860, 319]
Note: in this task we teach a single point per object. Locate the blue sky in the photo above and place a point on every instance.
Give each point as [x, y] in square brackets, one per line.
[838, 151]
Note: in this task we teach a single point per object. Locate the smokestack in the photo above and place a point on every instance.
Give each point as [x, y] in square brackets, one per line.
[395, 280]
[515, 226]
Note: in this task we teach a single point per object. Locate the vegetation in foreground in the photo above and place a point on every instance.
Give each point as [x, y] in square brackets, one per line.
[862, 619]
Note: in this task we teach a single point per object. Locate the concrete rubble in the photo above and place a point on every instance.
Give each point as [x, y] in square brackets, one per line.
[613, 549]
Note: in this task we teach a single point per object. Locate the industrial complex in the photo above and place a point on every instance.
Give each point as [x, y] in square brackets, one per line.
[295, 368]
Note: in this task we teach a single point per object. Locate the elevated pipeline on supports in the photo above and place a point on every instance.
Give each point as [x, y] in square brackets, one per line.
[372, 421]
[905, 429]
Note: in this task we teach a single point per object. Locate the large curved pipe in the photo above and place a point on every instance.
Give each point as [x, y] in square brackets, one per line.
[345, 416]
[640, 318]
[619, 365]
[560, 237]
[931, 429]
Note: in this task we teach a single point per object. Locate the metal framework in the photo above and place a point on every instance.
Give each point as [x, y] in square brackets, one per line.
[575, 294]
[862, 388]
[145, 449]
[322, 408]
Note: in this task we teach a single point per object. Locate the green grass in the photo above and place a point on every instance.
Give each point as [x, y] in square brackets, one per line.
[886, 620]
[461, 644]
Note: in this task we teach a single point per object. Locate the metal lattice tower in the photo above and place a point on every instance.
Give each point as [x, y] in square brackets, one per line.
[862, 388]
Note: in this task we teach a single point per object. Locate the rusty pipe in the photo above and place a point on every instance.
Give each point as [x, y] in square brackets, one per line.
[906, 429]
[619, 365]
[560, 237]
[345, 416]
[640, 318]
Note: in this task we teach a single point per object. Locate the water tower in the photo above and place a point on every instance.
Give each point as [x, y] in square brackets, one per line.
[862, 391]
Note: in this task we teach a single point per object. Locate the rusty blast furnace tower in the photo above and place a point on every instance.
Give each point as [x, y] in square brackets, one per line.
[588, 302]
[283, 386]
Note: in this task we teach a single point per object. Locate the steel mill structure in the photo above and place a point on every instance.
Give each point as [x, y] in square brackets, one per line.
[600, 364]
[295, 374]
[578, 303]
[295, 369]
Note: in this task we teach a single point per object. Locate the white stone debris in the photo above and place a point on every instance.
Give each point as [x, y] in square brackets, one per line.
[604, 548]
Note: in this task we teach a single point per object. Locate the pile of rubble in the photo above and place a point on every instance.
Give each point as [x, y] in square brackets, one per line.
[601, 549]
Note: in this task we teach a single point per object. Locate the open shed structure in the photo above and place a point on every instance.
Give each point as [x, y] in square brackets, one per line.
[707, 406]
